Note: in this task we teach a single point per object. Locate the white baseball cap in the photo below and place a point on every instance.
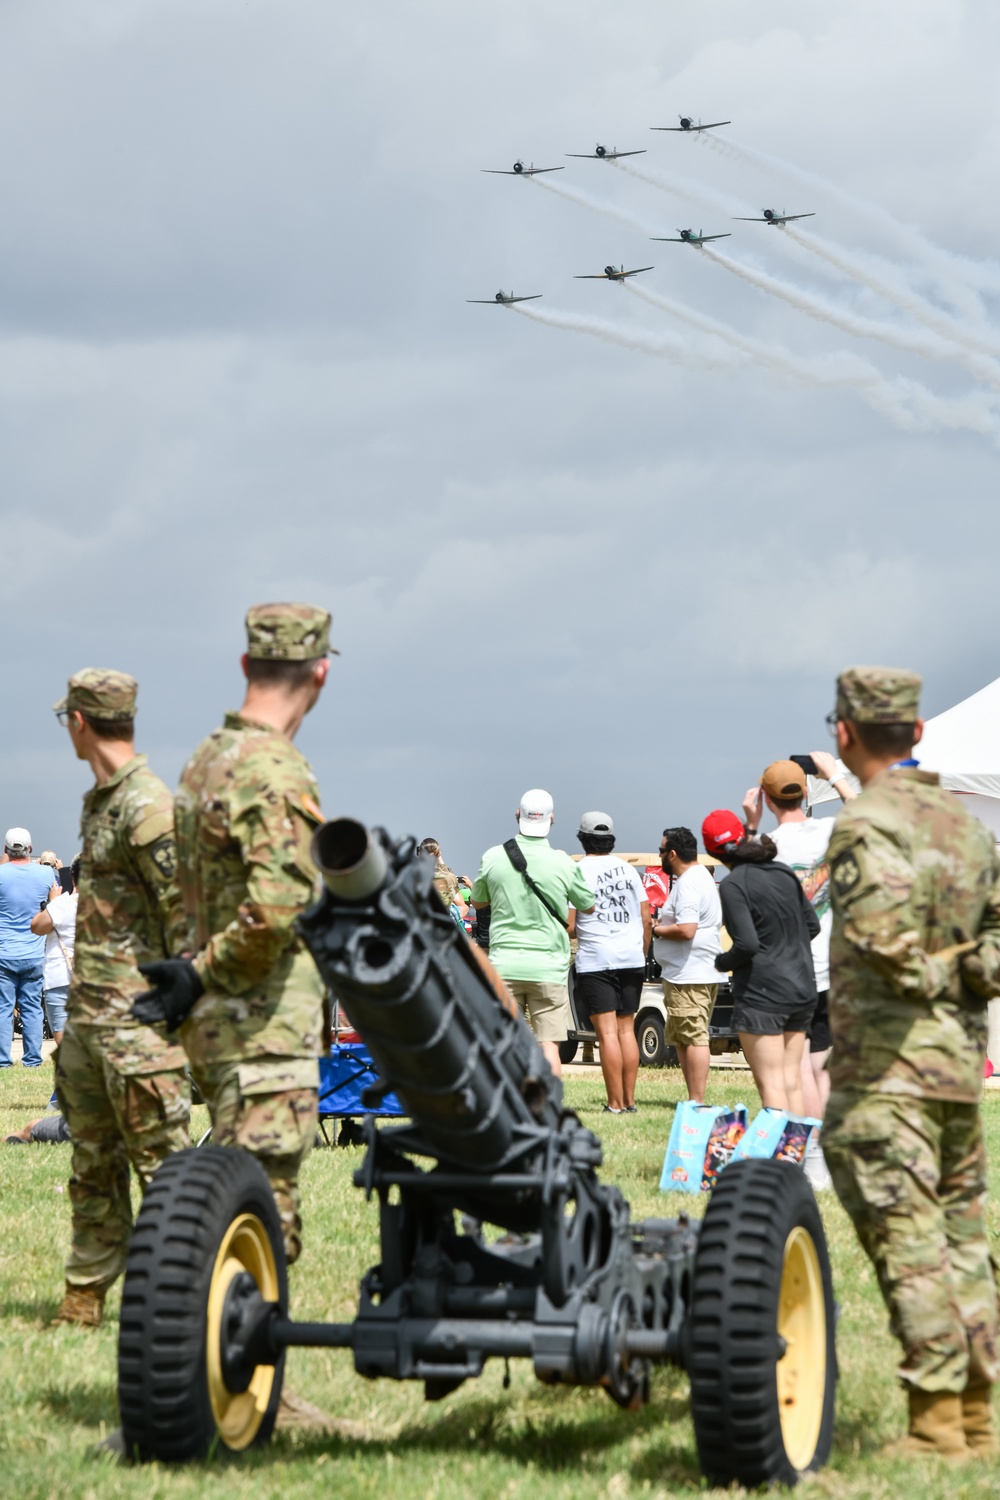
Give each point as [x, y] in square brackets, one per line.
[17, 841]
[534, 815]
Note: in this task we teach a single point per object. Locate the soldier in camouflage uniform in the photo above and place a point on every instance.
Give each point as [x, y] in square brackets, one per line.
[247, 808]
[121, 1085]
[915, 957]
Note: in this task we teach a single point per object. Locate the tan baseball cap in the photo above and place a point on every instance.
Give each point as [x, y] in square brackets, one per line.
[879, 695]
[102, 693]
[288, 632]
[783, 778]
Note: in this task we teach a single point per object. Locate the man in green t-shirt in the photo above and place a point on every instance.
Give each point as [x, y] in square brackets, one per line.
[529, 944]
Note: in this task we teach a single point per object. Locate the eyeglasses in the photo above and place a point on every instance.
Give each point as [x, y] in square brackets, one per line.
[62, 718]
[831, 722]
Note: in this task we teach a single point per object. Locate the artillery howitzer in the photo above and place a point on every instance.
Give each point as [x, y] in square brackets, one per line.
[742, 1301]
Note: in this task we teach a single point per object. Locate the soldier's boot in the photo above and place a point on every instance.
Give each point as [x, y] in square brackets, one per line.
[977, 1420]
[936, 1429]
[82, 1307]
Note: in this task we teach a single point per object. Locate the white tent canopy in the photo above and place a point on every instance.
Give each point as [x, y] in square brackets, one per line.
[963, 746]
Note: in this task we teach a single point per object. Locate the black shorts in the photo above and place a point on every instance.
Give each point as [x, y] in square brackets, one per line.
[609, 990]
[820, 1036]
[757, 1021]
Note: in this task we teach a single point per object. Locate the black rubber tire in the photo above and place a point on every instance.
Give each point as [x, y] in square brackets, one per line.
[163, 1383]
[733, 1326]
[650, 1035]
[567, 1051]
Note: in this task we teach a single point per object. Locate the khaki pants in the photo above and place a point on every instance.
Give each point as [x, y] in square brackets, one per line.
[689, 1010]
[544, 1006]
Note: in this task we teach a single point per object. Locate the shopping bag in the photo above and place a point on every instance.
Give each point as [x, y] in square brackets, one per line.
[703, 1137]
[777, 1135]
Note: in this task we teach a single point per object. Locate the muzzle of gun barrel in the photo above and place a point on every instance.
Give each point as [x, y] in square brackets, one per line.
[352, 861]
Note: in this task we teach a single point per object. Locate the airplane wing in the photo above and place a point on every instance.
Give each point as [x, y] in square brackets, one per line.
[500, 172]
[534, 171]
[533, 298]
[714, 124]
[669, 239]
[637, 270]
[787, 218]
[593, 277]
[703, 239]
[614, 155]
[739, 219]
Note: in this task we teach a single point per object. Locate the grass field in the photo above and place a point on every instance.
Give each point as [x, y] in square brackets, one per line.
[57, 1389]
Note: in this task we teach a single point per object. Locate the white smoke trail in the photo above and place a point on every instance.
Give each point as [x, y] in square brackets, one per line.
[917, 307]
[814, 306]
[894, 399]
[910, 341]
[667, 346]
[684, 187]
[956, 274]
[596, 205]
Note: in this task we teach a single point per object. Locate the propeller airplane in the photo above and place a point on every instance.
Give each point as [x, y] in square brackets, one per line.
[770, 217]
[613, 273]
[503, 299]
[519, 170]
[687, 125]
[688, 237]
[601, 153]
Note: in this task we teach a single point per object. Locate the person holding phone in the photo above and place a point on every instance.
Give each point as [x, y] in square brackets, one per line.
[802, 842]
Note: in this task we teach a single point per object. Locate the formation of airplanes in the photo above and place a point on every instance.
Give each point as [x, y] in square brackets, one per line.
[687, 126]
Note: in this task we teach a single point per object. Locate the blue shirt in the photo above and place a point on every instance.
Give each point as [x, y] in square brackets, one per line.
[22, 888]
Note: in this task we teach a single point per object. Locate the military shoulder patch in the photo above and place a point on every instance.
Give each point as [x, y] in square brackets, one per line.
[845, 873]
[164, 855]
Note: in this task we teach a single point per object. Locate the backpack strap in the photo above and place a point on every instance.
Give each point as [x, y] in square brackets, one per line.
[515, 854]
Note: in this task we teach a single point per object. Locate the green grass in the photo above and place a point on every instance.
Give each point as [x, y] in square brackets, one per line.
[57, 1389]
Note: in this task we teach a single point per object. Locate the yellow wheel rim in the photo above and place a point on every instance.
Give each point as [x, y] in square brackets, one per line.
[802, 1369]
[238, 1414]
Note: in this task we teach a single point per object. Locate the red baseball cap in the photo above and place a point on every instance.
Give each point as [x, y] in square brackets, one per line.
[719, 829]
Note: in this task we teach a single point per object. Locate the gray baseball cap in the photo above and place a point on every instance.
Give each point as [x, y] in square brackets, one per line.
[596, 822]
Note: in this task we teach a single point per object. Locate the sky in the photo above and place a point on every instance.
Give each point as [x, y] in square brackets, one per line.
[237, 364]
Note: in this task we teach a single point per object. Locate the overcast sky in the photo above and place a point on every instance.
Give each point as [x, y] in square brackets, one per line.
[237, 364]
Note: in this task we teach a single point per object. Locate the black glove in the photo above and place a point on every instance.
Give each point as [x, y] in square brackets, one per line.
[176, 987]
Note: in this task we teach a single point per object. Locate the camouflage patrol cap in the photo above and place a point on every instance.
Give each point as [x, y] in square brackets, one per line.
[101, 693]
[878, 695]
[288, 632]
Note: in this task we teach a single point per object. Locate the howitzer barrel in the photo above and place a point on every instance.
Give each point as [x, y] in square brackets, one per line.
[433, 1015]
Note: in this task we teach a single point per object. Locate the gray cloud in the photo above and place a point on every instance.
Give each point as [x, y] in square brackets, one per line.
[236, 363]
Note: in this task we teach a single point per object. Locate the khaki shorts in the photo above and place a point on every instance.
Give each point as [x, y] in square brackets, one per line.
[545, 1007]
[689, 1010]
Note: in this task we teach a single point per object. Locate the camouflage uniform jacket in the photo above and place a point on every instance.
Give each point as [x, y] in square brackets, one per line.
[129, 912]
[911, 873]
[246, 809]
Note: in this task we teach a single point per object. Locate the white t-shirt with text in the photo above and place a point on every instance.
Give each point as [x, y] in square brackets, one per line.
[610, 936]
[802, 846]
[62, 910]
[693, 898]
